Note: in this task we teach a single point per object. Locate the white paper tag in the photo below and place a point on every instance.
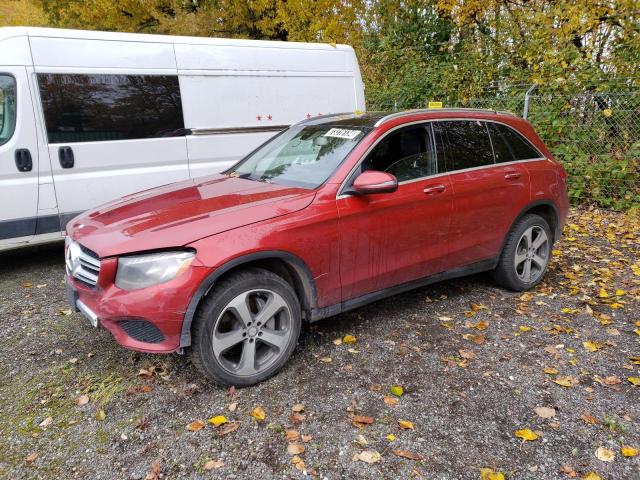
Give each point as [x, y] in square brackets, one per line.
[342, 133]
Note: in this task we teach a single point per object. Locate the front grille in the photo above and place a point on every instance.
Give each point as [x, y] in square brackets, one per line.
[142, 330]
[83, 264]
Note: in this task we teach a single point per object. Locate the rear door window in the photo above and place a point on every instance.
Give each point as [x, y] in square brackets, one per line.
[468, 143]
[94, 108]
[7, 107]
[509, 145]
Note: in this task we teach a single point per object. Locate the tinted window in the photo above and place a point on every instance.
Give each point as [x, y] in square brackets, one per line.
[89, 108]
[509, 145]
[7, 107]
[468, 144]
[408, 154]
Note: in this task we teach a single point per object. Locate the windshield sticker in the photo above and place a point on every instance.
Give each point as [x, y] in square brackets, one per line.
[342, 133]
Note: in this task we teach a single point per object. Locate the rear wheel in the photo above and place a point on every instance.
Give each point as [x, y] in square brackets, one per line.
[246, 329]
[526, 254]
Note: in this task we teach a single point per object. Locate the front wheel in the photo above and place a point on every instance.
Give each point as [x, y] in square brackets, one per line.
[526, 254]
[246, 329]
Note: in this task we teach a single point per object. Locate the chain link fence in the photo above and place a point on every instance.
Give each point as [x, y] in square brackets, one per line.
[596, 135]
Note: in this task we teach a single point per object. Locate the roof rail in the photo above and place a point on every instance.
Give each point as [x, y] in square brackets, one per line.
[391, 116]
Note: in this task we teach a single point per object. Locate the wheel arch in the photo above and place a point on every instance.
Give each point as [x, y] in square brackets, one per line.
[547, 210]
[284, 264]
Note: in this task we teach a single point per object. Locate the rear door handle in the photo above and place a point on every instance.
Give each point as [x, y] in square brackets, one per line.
[24, 162]
[512, 175]
[66, 158]
[434, 189]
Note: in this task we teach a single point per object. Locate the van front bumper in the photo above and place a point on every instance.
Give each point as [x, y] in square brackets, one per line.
[146, 320]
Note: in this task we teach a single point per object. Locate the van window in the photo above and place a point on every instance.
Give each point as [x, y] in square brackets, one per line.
[468, 144]
[7, 107]
[94, 108]
[509, 145]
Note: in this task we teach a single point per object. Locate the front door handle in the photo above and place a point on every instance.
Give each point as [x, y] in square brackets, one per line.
[24, 162]
[65, 155]
[434, 189]
[512, 175]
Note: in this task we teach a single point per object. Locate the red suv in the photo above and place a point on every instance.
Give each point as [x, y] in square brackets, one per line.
[332, 213]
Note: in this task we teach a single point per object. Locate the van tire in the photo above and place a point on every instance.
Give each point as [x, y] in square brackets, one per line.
[510, 272]
[218, 315]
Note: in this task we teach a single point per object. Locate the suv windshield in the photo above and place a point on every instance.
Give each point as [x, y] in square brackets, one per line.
[7, 107]
[302, 156]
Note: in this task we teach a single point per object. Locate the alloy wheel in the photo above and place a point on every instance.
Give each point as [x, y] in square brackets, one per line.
[532, 254]
[252, 332]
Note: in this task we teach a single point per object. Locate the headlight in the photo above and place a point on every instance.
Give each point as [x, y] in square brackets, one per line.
[146, 270]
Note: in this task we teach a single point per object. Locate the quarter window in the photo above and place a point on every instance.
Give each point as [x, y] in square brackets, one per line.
[469, 144]
[408, 154]
[509, 145]
[7, 107]
[93, 108]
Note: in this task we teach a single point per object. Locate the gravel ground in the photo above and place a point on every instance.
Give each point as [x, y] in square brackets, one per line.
[474, 361]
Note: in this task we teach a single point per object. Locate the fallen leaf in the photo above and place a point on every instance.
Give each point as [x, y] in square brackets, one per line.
[368, 456]
[628, 451]
[635, 381]
[325, 359]
[298, 407]
[349, 339]
[361, 420]
[490, 474]
[195, 426]
[390, 400]
[396, 390]
[588, 418]
[612, 380]
[233, 406]
[564, 381]
[406, 424]
[592, 346]
[551, 371]
[101, 415]
[477, 339]
[524, 328]
[568, 470]
[307, 438]
[228, 428]
[218, 420]
[46, 422]
[259, 414]
[545, 412]
[605, 454]
[65, 312]
[298, 463]
[32, 457]
[296, 417]
[467, 354]
[213, 464]
[592, 476]
[154, 473]
[391, 437]
[295, 448]
[526, 434]
[337, 341]
[407, 454]
[82, 400]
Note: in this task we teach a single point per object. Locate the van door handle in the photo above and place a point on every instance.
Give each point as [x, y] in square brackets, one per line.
[24, 163]
[512, 175]
[434, 189]
[65, 155]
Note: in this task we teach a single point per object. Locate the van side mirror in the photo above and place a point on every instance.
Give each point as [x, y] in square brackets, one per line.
[372, 181]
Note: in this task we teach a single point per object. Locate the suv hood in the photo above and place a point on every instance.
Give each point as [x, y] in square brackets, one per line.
[180, 213]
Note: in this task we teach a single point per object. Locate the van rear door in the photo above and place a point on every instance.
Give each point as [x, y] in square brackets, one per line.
[18, 157]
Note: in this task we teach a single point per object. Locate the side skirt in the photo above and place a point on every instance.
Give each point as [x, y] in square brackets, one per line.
[482, 266]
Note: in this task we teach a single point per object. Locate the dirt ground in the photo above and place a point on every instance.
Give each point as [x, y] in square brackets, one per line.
[475, 362]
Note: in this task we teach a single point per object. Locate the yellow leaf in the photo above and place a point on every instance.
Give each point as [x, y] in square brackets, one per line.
[397, 390]
[258, 414]
[634, 380]
[592, 476]
[524, 328]
[100, 415]
[349, 339]
[550, 371]
[526, 434]
[481, 325]
[628, 451]
[391, 437]
[592, 346]
[489, 474]
[564, 381]
[605, 454]
[635, 360]
[368, 456]
[218, 420]
[603, 293]
[620, 292]
[637, 331]
[406, 424]
[607, 112]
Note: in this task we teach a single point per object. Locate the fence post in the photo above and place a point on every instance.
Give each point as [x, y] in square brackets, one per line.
[525, 112]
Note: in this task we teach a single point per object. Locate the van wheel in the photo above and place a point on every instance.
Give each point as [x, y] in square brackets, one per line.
[246, 329]
[525, 255]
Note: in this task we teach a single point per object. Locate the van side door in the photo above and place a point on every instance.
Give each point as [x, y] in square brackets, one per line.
[18, 158]
[111, 134]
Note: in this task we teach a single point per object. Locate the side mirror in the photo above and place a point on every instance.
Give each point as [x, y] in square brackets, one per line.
[372, 181]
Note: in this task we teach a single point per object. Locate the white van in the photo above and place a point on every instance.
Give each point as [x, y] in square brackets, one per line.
[87, 117]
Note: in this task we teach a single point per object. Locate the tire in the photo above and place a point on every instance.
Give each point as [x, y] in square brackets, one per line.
[511, 271]
[246, 329]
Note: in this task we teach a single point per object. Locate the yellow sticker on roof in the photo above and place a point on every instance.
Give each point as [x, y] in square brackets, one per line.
[435, 104]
